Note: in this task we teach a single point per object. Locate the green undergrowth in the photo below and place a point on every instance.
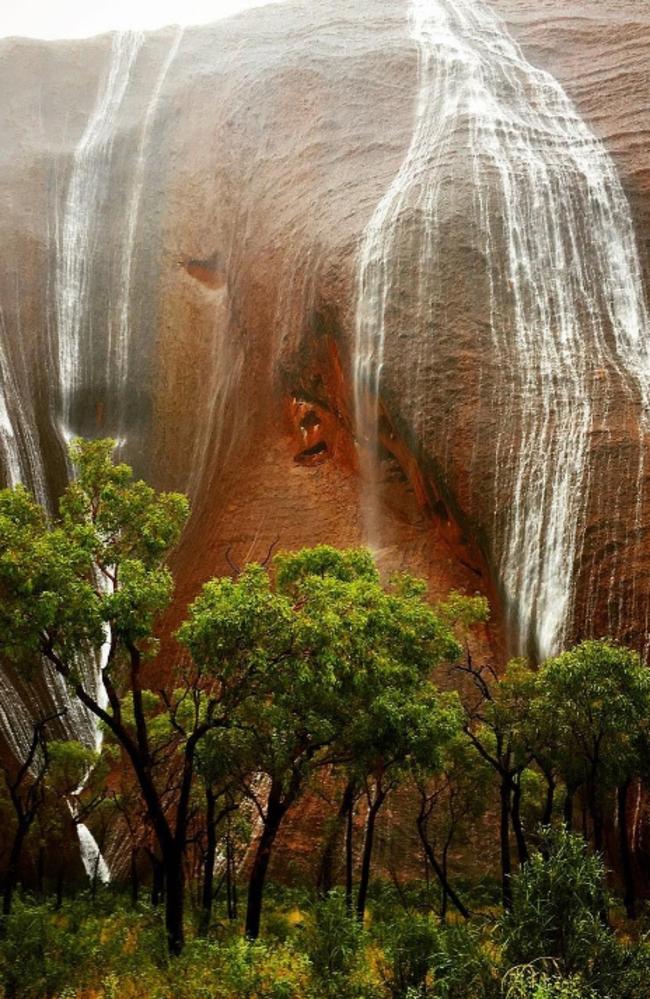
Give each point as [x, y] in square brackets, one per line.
[557, 942]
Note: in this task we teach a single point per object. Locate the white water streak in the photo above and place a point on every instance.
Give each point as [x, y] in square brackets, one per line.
[80, 230]
[566, 300]
[118, 352]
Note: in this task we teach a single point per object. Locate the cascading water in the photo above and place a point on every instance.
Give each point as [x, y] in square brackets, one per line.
[566, 300]
[19, 446]
[77, 236]
[78, 345]
[79, 233]
[118, 345]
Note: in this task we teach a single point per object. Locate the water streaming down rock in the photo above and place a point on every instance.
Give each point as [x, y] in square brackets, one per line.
[94, 864]
[563, 282]
[21, 453]
[79, 343]
[119, 340]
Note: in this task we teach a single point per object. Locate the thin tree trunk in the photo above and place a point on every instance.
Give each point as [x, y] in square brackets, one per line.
[504, 838]
[40, 872]
[135, 881]
[349, 859]
[157, 880]
[366, 857]
[174, 898]
[60, 879]
[11, 874]
[568, 807]
[627, 870]
[445, 883]
[233, 881]
[207, 894]
[596, 813]
[547, 814]
[439, 871]
[275, 812]
[325, 879]
[515, 810]
[229, 878]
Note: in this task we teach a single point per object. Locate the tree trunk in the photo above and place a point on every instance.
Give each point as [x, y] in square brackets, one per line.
[60, 879]
[438, 870]
[157, 880]
[174, 898]
[275, 812]
[522, 849]
[627, 870]
[366, 857]
[349, 859]
[596, 813]
[207, 893]
[231, 899]
[504, 838]
[233, 881]
[568, 807]
[547, 814]
[11, 874]
[325, 879]
[444, 901]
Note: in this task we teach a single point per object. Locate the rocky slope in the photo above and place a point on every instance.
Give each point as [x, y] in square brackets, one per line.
[183, 217]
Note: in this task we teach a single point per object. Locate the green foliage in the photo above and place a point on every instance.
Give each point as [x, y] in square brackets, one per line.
[598, 695]
[110, 528]
[69, 764]
[411, 942]
[421, 957]
[533, 982]
[463, 613]
[322, 655]
[557, 900]
[334, 941]
[558, 903]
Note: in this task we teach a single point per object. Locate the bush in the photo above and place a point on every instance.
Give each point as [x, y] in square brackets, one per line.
[410, 944]
[533, 982]
[334, 941]
[422, 958]
[559, 899]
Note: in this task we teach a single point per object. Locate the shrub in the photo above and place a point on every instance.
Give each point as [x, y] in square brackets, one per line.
[410, 943]
[422, 958]
[533, 982]
[559, 899]
[334, 941]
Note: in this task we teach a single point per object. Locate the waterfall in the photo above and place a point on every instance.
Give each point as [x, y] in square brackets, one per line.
[80, 231]
[94, 864]
[19, 444]
[566, 299]
[76, 244]
[118, 350]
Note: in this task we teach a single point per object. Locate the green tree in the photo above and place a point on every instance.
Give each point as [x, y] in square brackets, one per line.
[598, 695]
[496, 710]
[25, 787]
[403, 731]
[91, 582]
[451, 800]
[324, 649]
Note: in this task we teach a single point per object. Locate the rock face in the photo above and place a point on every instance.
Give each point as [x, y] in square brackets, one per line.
[344, 271]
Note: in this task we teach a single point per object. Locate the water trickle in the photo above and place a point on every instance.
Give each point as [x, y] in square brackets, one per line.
[118, 349]
[19, 445]
[80, 229]
[565, 294]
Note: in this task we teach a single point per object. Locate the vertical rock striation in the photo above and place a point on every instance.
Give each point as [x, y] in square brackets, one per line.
[320, 243]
